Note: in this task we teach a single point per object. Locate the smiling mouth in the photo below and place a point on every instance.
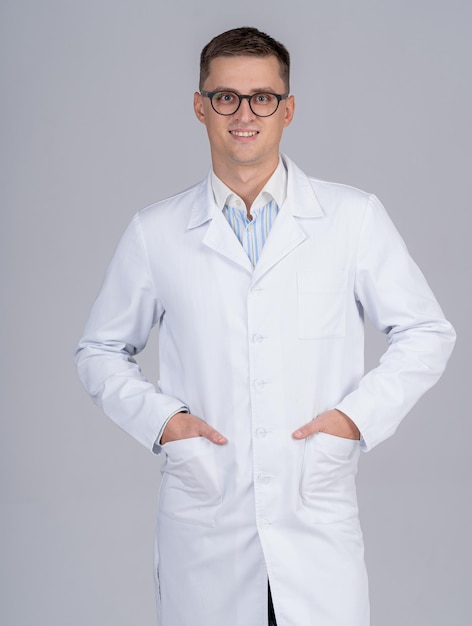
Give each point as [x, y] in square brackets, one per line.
[244, 133]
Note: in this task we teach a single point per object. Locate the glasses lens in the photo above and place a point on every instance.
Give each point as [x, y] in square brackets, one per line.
[264, 104]
[227, 102]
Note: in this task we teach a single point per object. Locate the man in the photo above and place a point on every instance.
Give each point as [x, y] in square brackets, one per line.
[259, 278]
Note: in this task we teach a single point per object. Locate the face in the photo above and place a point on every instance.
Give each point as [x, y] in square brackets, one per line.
[244, 139]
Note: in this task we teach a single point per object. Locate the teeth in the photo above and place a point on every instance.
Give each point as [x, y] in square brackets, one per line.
[244, 133]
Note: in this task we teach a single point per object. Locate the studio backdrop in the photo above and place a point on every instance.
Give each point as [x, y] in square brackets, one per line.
[97, 122]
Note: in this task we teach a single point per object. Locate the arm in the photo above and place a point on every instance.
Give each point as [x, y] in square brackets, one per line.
[118, 328]
[396, 297]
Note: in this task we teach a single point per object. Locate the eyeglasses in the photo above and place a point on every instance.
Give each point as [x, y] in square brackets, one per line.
[228, 102]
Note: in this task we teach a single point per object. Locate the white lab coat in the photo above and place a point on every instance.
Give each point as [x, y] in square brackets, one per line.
[257, 352]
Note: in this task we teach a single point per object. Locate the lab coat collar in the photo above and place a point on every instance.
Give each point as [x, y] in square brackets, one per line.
[274, 189]
[301, 198]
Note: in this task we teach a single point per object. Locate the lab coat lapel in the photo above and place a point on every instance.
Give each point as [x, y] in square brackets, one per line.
[218, 235]
[285, 235]
[287, 232]
[221, 238]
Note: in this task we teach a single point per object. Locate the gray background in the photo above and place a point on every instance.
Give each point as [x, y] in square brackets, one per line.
[97, 122]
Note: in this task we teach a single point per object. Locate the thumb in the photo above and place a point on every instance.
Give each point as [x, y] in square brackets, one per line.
[212, 434]
[308, 429]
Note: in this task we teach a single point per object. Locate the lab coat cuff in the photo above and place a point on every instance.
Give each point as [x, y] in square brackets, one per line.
[345, 408]
[157, 448]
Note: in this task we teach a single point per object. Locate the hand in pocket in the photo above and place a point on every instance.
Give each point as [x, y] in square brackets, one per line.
[186, 426]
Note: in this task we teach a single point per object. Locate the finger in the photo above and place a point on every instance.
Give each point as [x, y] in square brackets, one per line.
[307, 430]
[211, 434]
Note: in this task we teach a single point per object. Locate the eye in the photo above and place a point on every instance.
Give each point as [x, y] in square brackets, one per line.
[263, 98]
[225, 97]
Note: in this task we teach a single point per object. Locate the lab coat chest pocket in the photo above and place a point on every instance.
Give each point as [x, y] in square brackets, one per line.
[321, 303]
[190, 489]
[327, 486]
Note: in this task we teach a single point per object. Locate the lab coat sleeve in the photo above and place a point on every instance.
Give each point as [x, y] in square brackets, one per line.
[396, 297]
[118, 328]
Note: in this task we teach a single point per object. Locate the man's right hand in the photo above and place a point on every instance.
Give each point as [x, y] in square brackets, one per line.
[186, 426]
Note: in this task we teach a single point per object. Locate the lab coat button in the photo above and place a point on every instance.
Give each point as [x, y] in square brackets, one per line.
[264, 523]
[257, 338]
[263, 479]
[257, 291]
[259, 384]
[261, 432]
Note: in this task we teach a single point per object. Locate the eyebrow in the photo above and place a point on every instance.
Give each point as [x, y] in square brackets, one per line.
[253, 91]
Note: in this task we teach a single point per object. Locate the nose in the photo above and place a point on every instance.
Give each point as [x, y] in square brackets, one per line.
[244, 112]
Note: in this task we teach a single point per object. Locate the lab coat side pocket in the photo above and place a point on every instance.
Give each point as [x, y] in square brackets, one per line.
[321, 304]
[191, 487]
[327, 485]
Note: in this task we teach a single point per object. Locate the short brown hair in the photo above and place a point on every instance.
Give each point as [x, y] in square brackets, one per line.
[245, 41]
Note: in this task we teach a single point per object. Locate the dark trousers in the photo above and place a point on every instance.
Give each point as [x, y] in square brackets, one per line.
[272, 621]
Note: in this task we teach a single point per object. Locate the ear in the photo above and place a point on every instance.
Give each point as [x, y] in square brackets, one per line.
[198, 107]
[289, 110]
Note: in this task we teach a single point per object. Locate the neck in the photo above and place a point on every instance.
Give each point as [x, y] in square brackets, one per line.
[246, 181]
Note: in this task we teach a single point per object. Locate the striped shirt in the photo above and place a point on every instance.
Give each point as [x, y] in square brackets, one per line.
[252, 233]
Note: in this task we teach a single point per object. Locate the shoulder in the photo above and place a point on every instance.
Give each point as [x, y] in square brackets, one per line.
[333, 191]
[174, 208]
[332, 197]
[345, 200]
[324, 190]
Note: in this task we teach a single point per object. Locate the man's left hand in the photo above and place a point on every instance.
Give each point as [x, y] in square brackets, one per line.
[332, 422]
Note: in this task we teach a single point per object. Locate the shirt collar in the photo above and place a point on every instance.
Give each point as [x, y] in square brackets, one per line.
[274, 189]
